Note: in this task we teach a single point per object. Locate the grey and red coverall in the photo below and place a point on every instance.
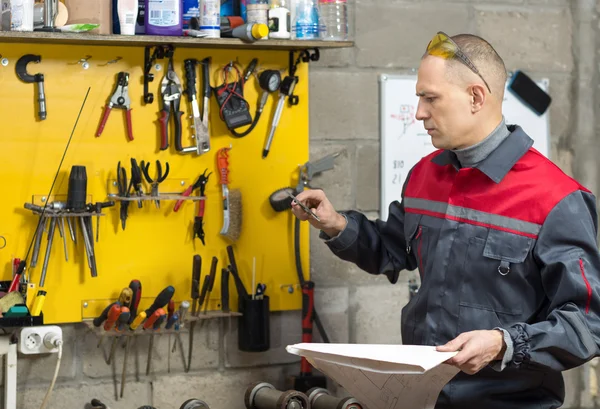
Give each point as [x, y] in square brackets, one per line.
[509, 244]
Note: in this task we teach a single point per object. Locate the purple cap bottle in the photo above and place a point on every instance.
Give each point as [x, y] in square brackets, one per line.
[164, 17]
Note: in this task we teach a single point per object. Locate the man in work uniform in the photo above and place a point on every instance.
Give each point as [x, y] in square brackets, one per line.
[504, 241]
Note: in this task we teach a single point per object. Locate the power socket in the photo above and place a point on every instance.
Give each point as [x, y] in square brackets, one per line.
[40, 340]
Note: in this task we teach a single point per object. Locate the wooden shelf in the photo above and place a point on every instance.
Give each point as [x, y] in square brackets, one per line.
[143, 40]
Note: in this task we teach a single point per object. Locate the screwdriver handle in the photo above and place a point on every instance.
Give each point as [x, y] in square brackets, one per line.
[196, 268]
[103, 316]
[213, 273]
[136, 289]
[183, 309]
[159, 321]
[125, 297]
[161, 300]
[171, 321]
[113, 316]
[152, 319]
[170, 309]
[137, 321]
[224, 290]
[123, 319]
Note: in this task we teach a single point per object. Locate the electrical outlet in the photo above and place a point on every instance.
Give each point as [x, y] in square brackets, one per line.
[39, 340]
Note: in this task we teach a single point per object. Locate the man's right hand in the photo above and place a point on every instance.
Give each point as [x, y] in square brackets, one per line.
[332, 223]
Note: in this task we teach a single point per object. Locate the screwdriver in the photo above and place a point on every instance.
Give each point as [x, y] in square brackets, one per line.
[149, 324]
[161, 300]
[120, 326]
[183, 309]
[170, 314]
[125, 297]
[197, 266]
[111, 318]
[136, 289]
[224, 290]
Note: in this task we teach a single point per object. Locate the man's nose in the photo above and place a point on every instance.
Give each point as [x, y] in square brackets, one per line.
[421, 113]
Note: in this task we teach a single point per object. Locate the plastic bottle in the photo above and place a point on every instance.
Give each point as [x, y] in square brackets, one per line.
[127, 11]
[257, 11]
[210, 18]
[164, 17]
[305, 20]
[22, 15]
[333, 16]
[279, 20]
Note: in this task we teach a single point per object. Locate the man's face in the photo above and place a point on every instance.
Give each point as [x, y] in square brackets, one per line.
[444, 107]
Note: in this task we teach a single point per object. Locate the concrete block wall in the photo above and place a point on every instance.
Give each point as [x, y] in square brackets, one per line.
[546, 38]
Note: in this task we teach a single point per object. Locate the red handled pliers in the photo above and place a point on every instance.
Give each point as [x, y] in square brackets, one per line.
[119, 99]
[198, 223]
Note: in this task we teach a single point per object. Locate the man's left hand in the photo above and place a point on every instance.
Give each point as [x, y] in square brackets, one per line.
[477, 349]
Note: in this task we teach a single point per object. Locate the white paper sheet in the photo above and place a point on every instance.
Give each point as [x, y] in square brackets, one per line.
[383, 376]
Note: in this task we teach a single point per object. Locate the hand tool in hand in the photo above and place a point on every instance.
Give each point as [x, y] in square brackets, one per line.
[124, 191]
[21, 70]
[170, 90]
[201, 132]
[136, 180]
[225, 290]
[285, 90]
[198, 219]
[232, 200]
[153, 323]
[120, 100]
[303, 206]
[160, 177]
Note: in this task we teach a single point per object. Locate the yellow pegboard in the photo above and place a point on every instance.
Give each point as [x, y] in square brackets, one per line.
[157, 246]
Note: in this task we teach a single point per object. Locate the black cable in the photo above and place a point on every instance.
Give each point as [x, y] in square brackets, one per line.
[56, 176]
[247, 131]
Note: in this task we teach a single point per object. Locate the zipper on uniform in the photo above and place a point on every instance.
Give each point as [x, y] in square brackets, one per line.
[414, 237]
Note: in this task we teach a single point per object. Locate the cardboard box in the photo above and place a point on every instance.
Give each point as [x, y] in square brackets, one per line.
[5, 15]
[91, 12]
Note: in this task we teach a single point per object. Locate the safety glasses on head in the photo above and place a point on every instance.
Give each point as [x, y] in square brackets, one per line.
[444, 47]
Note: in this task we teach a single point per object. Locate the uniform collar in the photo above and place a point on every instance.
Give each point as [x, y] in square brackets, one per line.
[501, 160]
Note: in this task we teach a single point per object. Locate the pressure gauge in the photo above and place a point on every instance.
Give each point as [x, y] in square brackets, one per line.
[269, 80]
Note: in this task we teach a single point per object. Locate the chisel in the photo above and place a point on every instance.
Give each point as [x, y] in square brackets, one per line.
[170, 313]
[224, 290]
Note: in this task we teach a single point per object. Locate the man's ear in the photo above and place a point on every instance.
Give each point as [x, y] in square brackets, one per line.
[478, 97]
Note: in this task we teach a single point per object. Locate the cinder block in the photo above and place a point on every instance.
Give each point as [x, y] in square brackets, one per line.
[368, 177]
[573, 386]
[219, 389]
[559, 3]
[561, 89]
[516, 36]
[343, 105]
[328, 270]
[500, 2]
[337, 182]
[35, 369]
[394, 34]
[205, 354]
[76, 396]
[377, 312]
[331, 303]
[342, 57]
[285, 329]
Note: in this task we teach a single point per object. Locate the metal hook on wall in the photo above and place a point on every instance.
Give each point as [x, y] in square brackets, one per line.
[3, 61]
[111, 61]
[84, 62]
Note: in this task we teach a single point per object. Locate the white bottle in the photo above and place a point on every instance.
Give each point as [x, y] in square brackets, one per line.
[279, 20]
[333, 18]
[210, 18]
[127, 11]
[22, 15]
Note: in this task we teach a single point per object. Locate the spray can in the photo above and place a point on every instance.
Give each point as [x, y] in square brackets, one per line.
[210, 18]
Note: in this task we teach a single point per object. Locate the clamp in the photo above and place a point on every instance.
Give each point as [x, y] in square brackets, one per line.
[119, 99]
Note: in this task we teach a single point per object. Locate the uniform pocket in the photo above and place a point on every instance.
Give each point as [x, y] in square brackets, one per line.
[416, 240]
[495, 273]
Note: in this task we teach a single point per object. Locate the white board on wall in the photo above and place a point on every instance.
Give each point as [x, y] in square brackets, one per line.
[404, 140]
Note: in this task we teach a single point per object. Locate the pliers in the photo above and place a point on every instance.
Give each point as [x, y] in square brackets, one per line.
[136, 181]
[160, 177]
[170, 90]
[198, 223]
[124, 189]
[119, 99]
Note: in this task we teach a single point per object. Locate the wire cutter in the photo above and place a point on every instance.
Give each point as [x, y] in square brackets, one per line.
[198, 223]
[119, 99]
[123, 192]
[160, 177]
[170, 90]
